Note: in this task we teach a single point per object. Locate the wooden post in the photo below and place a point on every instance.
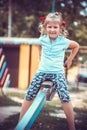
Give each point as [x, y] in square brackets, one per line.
[34, 60]
[24, 64]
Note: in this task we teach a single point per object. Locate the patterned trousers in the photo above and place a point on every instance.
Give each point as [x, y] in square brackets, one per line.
[58, 80]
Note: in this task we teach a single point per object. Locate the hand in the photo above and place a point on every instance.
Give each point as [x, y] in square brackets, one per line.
[68, 63]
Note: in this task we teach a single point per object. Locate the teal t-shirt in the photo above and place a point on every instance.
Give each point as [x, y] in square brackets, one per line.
[52, 57]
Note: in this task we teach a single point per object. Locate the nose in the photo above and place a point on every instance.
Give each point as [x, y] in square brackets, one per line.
[52, 29]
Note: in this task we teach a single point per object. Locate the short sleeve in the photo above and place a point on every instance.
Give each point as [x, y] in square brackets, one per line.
[43, 39]
[66, 43]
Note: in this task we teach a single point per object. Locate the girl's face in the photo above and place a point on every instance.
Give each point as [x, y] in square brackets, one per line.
[53, 30]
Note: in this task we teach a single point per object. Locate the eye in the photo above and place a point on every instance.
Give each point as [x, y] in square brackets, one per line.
[55, 27]
[49, 27]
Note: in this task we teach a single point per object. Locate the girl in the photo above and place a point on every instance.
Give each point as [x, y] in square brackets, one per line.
[54, 43]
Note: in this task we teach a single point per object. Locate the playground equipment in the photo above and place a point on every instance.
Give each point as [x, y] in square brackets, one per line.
[4, 73]
[46, 92]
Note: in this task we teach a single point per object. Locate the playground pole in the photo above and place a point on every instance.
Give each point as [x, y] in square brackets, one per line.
[10, 19]
[53, 6]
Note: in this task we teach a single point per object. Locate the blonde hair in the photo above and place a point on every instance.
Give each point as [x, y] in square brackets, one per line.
[53, 17]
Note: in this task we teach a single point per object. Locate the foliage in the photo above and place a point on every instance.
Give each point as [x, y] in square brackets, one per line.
[26, 13]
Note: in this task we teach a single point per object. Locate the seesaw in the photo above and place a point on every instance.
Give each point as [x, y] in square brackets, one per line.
[46, 92]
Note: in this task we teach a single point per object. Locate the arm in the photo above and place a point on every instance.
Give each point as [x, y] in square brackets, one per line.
[75, 47]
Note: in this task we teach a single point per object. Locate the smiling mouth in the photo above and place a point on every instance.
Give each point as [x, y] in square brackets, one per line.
[52, 33]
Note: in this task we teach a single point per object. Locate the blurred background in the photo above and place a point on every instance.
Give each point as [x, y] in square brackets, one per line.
[20, 18]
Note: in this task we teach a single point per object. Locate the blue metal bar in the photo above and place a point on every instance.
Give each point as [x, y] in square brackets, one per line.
[17, 41]
[32, 113]
[3, 68]
[53, 6]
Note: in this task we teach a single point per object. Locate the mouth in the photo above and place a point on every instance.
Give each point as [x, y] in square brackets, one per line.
[52, 33]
